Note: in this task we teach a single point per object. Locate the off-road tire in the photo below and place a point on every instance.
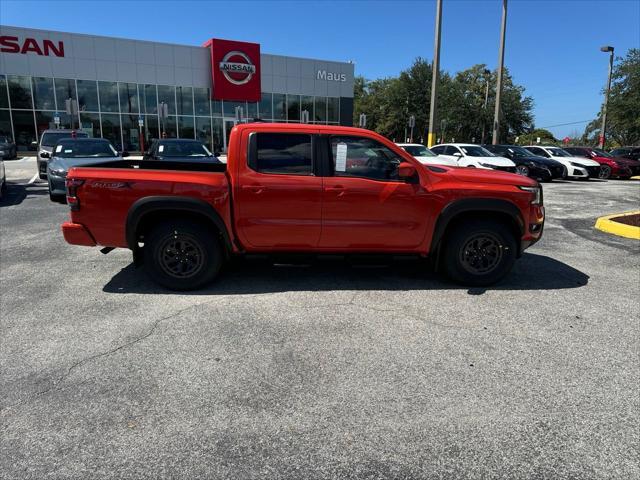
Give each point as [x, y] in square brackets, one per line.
[182, 255]
[489, 245]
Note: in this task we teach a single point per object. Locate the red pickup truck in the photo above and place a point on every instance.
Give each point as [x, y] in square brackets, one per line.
[303, 188]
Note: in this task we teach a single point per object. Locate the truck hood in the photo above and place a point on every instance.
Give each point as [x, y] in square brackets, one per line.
[480, 175]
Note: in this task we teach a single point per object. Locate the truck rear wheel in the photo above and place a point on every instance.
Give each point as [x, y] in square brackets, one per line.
[182, 255]
[479, 252]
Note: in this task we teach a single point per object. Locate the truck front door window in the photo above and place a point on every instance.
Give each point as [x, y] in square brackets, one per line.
[364, 158]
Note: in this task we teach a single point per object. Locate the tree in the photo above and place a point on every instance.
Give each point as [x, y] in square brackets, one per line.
[623, 117]
[531, 138]
[461, 114]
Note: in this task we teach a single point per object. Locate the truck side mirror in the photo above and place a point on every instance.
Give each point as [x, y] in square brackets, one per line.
[406, 170]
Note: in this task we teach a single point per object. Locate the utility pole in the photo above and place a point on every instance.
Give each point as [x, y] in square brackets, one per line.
[496, 115]
[487, 74]
[434, 76]
[603, 130]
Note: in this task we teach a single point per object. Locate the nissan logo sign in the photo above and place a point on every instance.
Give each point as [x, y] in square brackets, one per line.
[237, 67]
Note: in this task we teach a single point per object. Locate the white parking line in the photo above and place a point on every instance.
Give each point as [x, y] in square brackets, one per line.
[33, 179]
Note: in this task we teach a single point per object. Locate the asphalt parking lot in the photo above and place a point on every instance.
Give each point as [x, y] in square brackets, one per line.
[322, 371]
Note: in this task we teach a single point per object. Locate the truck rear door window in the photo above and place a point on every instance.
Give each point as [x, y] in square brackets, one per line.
[283, 153]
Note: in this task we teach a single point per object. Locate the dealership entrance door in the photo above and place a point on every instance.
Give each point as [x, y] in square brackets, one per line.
[228, 123]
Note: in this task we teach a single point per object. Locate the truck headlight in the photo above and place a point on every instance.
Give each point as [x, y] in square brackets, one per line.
[537, 194]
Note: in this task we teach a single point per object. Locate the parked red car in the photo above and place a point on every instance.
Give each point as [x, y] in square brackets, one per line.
[610, 166]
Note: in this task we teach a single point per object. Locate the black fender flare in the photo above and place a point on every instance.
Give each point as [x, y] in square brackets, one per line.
[146, 205]
[480, 205]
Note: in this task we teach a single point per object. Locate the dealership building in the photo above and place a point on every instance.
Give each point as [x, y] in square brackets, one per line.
[131, 91]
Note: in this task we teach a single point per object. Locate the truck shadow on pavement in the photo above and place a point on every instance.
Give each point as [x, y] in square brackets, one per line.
[531, 272]
[16, 193]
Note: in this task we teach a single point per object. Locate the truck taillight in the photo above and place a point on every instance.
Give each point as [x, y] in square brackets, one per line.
[72, 185]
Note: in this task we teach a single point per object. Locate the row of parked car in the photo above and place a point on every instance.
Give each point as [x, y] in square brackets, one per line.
[541, 162]
[59, 150]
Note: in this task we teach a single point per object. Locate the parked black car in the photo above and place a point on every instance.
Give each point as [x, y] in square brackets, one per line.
[632, 153]
[8, 148]
[179, 150]
[529, 164]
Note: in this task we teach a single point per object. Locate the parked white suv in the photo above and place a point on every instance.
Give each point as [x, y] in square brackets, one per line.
[577, 167]
[426, 156]
[470, 155]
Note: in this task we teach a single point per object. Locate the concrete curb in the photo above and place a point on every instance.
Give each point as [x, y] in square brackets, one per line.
[605, 224]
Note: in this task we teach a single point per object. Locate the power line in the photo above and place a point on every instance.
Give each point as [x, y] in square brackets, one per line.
[563, 124]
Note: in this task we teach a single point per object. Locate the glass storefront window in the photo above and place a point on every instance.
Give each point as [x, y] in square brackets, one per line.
[266, 109]
[4, 100]
[44, 121]
[167, 95]
[333, 109]
[65, 120]
[90, 123]
[20, 92]
[108, 94]
[320, 110]
[230, 108]
[216, 108]
[293, 108]
[252, 110]
[307, 104]
[150, 99]
[203, 131]
[184, 96]
[128, 98]
[201, 101]
[5, 123]
[168, 127]
[130, 132]
[185, 125]
[87, 96]
[65, 89]
[24, 129]
[111, 129]
[43, 96]
[151, 129]
[279, 106]
[218, 135]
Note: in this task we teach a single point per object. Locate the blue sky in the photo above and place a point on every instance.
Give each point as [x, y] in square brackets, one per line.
[552, 45]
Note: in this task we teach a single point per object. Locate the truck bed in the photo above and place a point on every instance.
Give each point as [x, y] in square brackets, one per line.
[186, 166]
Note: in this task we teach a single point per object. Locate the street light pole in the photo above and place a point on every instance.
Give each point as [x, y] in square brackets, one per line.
[434, 76]
[603, 130]
[496, 115]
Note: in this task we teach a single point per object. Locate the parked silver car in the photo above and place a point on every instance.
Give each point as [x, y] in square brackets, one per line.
[75, 152]
[48, 139]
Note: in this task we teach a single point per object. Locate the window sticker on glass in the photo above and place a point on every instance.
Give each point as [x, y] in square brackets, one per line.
[161, 148]
[68, 151]
[58, 148]
[341, 157]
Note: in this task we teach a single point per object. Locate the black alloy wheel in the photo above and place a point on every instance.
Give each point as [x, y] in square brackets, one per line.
[605, 172]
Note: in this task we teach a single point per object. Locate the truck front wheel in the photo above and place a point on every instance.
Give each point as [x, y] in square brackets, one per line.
[182, 255]
[479, 252]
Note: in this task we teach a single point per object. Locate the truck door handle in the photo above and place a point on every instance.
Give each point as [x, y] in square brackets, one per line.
[257, 189]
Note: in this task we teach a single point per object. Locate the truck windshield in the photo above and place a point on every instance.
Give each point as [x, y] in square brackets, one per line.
[476, 151]
[49, 139]
[418, 151]
[183, 149]
[85, 150]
